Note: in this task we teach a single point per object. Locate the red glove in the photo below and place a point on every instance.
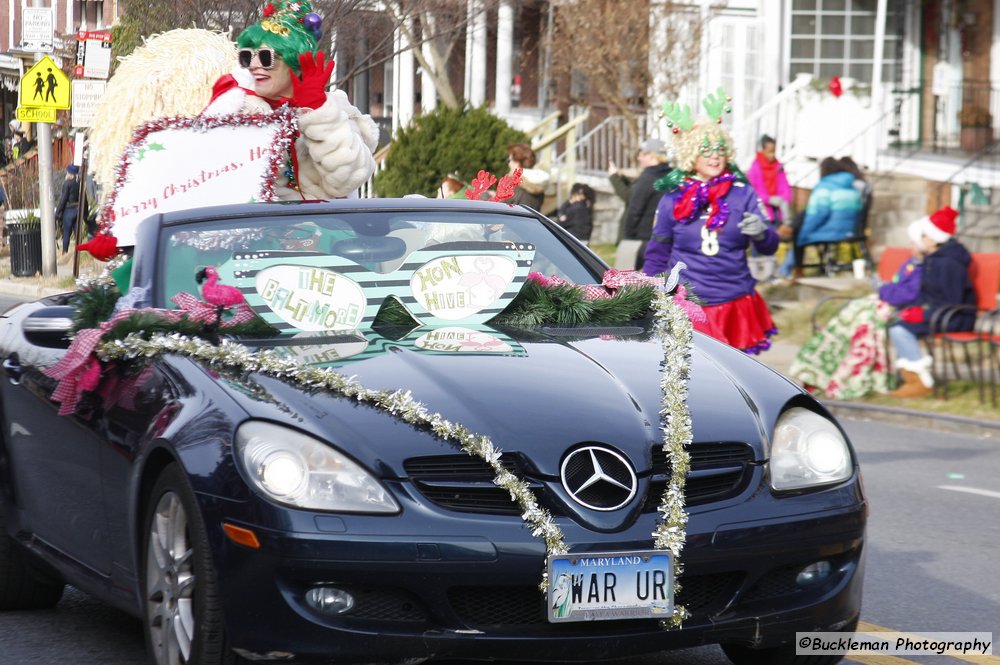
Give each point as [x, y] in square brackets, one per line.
[103, 247]
[913, 314]
[309, 91]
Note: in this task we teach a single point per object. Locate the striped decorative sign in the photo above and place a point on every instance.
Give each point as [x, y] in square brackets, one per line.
[464, 283]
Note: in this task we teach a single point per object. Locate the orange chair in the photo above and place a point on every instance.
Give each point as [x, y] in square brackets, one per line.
[993, 349]
[889, 262]
[984, 271]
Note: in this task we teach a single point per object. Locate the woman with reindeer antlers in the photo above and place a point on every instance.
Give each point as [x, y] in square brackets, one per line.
[708, 219]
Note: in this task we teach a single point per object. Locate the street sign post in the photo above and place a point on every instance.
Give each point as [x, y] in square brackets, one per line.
[44, 89]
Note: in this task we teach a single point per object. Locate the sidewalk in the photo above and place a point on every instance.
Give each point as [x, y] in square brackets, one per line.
[32, 288]
[781, 354]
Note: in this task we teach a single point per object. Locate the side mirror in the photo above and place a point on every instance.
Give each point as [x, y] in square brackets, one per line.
[49, 326]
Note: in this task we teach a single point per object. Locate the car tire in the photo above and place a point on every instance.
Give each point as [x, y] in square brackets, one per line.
[783, 655]
[22, 585]
[182, 614]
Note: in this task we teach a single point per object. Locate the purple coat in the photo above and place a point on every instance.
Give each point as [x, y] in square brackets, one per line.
[715, 278]
[904, 289]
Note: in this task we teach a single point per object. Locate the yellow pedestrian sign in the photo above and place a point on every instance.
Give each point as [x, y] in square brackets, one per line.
[44, 86]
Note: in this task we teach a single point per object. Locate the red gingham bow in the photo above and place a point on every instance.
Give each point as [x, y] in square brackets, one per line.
[79, 371]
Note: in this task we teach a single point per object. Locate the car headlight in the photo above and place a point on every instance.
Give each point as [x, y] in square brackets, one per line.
[807, 450]
[297, 470]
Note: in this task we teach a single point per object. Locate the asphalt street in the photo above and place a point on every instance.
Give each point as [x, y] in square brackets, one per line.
[930, 562]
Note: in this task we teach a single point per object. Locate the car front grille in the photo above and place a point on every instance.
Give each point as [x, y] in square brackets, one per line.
[384, 605]
[465, 484]
[483, 607]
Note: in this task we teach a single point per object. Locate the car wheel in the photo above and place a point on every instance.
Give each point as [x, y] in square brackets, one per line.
[783, 655]
[22, 585]
[183, 615]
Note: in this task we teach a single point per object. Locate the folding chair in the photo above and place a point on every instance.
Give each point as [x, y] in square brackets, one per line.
[984, 271]
[993, 350]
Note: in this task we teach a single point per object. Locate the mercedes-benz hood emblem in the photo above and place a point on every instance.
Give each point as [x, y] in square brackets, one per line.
[598, 478]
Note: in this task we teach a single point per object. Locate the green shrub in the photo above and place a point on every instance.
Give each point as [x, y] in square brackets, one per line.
[446, 141]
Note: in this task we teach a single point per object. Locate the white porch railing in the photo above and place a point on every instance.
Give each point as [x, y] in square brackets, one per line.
[778, 117]
[611, 140]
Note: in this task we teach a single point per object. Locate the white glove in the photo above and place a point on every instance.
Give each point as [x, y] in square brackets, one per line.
[775, 201]
[753, 226]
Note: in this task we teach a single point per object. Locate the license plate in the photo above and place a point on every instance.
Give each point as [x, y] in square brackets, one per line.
[617, 585]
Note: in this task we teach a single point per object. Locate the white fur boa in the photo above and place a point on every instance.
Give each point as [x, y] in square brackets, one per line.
[334, 148]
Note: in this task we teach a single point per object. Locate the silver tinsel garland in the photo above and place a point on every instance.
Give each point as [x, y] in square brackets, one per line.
[675, 332]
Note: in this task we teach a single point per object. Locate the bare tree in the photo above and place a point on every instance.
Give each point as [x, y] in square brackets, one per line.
[613, 50]
[142, 18]
[441, 25]
[362, 30]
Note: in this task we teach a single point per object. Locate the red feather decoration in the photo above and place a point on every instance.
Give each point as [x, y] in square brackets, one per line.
[505, 188]
[480, 185]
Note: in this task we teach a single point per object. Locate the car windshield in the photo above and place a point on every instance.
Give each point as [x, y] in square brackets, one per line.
[377, 250]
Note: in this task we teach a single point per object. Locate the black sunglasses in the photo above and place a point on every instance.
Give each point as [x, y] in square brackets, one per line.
[265, 55]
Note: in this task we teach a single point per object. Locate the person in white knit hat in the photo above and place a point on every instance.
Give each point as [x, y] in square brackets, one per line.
[944, 282]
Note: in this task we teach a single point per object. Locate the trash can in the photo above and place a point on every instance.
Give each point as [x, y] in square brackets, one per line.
[25, 239]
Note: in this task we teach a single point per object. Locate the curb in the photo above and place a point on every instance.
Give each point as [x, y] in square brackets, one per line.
[32, 291]
[940, 422]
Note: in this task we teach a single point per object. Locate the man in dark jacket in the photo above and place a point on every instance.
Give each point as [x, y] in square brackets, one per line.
[642, 195]
[68, 205]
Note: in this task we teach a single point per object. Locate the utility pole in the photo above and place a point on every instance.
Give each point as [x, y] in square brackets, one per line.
[45, 196]
[37, 35]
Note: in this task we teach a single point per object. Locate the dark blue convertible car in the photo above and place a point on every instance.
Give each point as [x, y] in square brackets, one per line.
[403, 447]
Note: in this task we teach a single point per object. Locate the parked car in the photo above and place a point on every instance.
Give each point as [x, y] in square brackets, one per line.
[250, 514]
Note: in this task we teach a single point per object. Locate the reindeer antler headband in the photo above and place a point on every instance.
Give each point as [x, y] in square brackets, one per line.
[703, 135]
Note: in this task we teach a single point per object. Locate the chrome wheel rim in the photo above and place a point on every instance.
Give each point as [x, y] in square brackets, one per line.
[170, 583]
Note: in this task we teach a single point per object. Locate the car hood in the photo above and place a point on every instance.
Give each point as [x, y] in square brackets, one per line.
[538, 393]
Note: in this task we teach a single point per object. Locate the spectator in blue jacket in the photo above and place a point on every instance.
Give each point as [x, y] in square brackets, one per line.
[831, 213]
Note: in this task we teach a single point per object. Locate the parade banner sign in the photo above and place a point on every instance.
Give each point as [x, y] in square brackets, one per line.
[298, 291]
[182, 163]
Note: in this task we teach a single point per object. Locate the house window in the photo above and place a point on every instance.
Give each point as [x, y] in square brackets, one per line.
[738, 43]
[837, 38]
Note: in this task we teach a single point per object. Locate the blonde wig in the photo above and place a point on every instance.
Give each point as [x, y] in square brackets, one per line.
[704, 134]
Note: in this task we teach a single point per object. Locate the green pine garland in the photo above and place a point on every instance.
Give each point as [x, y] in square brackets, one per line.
[93, 304]
[673, 180]
[566, 305]
[538, 305]
[96, 303]
[145, 334]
